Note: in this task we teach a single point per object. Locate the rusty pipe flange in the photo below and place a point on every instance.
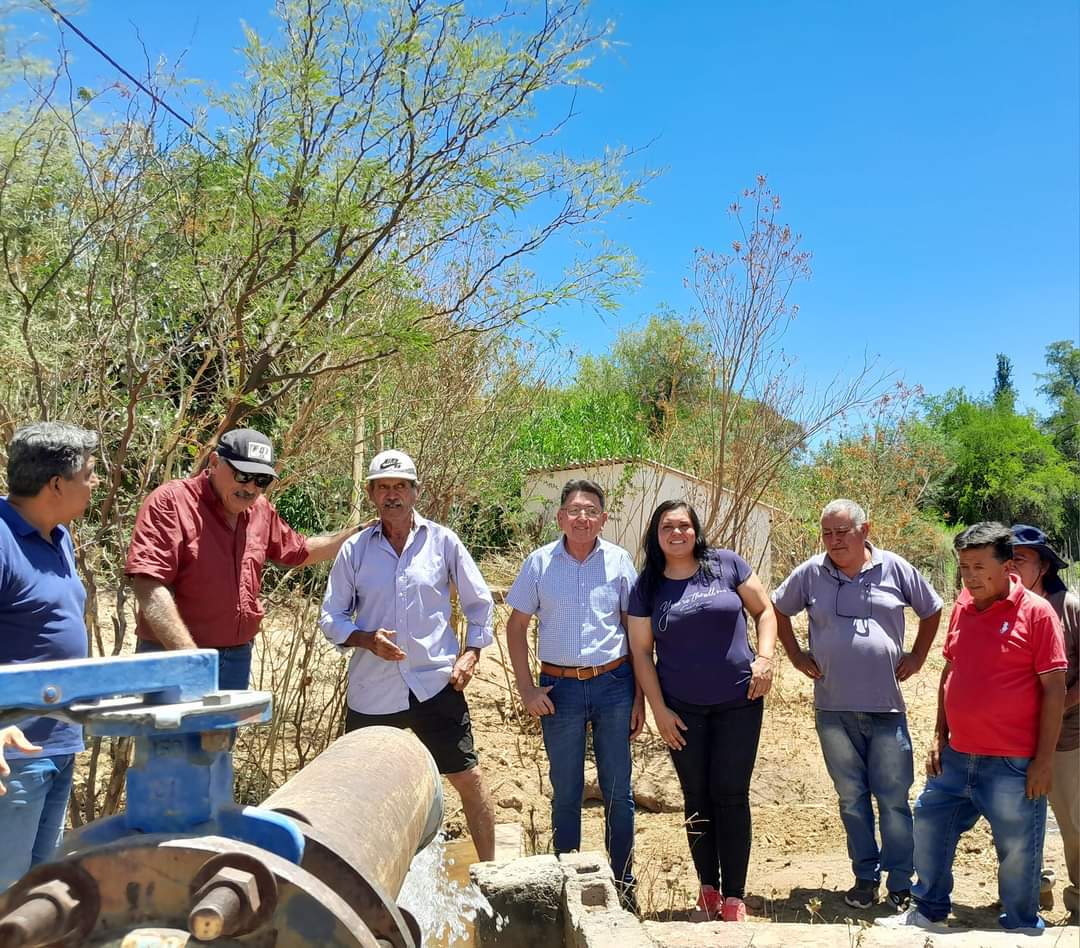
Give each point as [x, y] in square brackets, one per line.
[387, 922]
[145, 886]
[54, 904]
[226, 873]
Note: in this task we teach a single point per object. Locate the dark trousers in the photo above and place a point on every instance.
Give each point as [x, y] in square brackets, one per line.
[714, 769]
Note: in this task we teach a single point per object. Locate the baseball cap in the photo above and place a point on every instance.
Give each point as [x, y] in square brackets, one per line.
[392, 464]
[247, 450]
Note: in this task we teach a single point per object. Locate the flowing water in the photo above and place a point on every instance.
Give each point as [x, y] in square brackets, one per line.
[439, 895]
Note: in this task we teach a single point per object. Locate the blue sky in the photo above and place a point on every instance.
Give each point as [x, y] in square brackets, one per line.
[927, 152]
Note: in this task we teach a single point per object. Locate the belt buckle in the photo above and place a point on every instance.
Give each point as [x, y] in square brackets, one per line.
[588, 668]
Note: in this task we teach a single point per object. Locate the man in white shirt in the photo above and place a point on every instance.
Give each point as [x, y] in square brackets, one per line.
[388, 598]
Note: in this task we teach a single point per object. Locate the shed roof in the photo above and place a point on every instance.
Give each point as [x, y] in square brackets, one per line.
[608, 462]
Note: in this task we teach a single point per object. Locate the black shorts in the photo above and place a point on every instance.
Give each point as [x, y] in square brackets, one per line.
[442, 724]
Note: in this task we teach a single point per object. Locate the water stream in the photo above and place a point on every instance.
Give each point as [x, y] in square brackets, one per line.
[439, 895]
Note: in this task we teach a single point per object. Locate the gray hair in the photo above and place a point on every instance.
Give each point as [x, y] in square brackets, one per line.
[43, 450]
[846, 507]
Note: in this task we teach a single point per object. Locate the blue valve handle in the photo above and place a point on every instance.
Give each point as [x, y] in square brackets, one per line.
[181, 779]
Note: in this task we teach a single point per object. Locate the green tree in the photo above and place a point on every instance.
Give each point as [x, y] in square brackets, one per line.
[1004, 391]
[1061, 384]
[1003, 467]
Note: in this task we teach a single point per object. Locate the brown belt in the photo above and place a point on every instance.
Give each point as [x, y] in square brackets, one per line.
[581, 673]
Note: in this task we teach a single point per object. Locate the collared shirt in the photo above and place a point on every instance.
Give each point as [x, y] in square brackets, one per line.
[214, 570]
[857, 626]
[1067, 606]
[371, 587]
[41, 614]
[993, 695]
[579, 602]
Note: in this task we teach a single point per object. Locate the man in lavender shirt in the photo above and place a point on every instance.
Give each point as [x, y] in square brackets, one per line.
[855, 595]
[388, 599]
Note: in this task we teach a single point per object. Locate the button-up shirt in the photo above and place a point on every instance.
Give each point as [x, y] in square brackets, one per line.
[857, 626]
[579, 602]
[371, 587]
[214, 569]
[41, 614]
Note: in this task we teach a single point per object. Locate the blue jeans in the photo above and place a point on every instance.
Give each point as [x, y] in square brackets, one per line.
[869, 754]
[970, 786]
[234, 663]
[605, 702]
[32, 813]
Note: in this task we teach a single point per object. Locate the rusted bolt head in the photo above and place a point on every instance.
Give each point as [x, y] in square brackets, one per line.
[50, 694]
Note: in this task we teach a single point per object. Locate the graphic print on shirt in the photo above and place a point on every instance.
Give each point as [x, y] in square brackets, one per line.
[688, 605]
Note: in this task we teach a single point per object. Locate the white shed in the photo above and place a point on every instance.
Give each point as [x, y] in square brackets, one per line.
[634, 486]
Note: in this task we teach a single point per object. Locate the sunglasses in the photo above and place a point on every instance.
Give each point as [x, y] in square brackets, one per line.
[262, 481]
[853, 599]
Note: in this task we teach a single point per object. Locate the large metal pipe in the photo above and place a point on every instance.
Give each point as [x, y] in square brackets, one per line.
[364, 807]
[374, 797]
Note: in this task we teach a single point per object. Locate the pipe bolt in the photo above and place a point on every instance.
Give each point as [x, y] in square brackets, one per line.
[224, 905]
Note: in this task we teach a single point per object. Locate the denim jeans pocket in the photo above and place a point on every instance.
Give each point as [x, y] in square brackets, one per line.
[1018, 765]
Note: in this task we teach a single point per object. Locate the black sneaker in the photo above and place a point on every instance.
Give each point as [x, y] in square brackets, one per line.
[862, 895]
[900, 900]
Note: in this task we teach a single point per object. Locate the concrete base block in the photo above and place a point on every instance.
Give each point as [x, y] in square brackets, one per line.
[592, 915]
[527, 894]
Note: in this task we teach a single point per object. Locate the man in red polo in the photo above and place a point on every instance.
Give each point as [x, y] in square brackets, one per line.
[1000, 701]
[198, 550]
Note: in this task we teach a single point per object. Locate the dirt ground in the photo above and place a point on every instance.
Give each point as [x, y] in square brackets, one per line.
[799, 868]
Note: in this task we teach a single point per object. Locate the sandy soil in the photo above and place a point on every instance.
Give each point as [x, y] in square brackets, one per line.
[799, 866]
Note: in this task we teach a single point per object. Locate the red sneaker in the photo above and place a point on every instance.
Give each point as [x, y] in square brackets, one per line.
[734, 910]
[710, 901]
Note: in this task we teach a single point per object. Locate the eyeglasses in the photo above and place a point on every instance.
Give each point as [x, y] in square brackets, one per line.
[574, 512]
[853, 600]
[262, 481]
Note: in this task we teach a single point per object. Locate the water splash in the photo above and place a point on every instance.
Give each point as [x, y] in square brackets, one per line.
[443, 908]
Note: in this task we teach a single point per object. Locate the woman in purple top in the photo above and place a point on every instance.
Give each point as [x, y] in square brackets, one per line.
[705, 689]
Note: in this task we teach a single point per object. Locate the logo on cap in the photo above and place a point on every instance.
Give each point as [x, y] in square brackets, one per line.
[390, 462]
[258, 452]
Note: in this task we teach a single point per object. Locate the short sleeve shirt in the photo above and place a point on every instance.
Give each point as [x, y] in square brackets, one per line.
[579, 604]
[1067, 605]
[993, 694]
[703, 654]
[857, 626]
[214, 570]
[41, 614]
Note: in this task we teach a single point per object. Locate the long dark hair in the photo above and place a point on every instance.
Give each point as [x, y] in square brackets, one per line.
[652, 571]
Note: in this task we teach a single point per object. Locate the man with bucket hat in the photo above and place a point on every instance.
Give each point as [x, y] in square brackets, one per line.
[388, 600]
[198, 550]
[1038, 563]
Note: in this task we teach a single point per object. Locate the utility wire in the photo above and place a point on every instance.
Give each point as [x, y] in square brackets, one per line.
[104, 55]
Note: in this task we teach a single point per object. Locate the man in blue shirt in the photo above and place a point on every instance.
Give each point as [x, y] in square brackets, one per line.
[579, 587]
[388, 599]
[50, 476]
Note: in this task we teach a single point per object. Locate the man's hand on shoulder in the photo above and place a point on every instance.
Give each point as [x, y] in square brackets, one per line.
[464, 668]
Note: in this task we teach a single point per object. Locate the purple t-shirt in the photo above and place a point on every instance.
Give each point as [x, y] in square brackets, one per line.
[702, 653]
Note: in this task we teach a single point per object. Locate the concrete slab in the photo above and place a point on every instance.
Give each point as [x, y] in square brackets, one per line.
[789, 935]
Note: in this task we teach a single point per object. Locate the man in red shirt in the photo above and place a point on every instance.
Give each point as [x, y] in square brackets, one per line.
[198, 550]
[999, 713]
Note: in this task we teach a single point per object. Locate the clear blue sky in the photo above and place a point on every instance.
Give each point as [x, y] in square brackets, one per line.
[929, 153]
